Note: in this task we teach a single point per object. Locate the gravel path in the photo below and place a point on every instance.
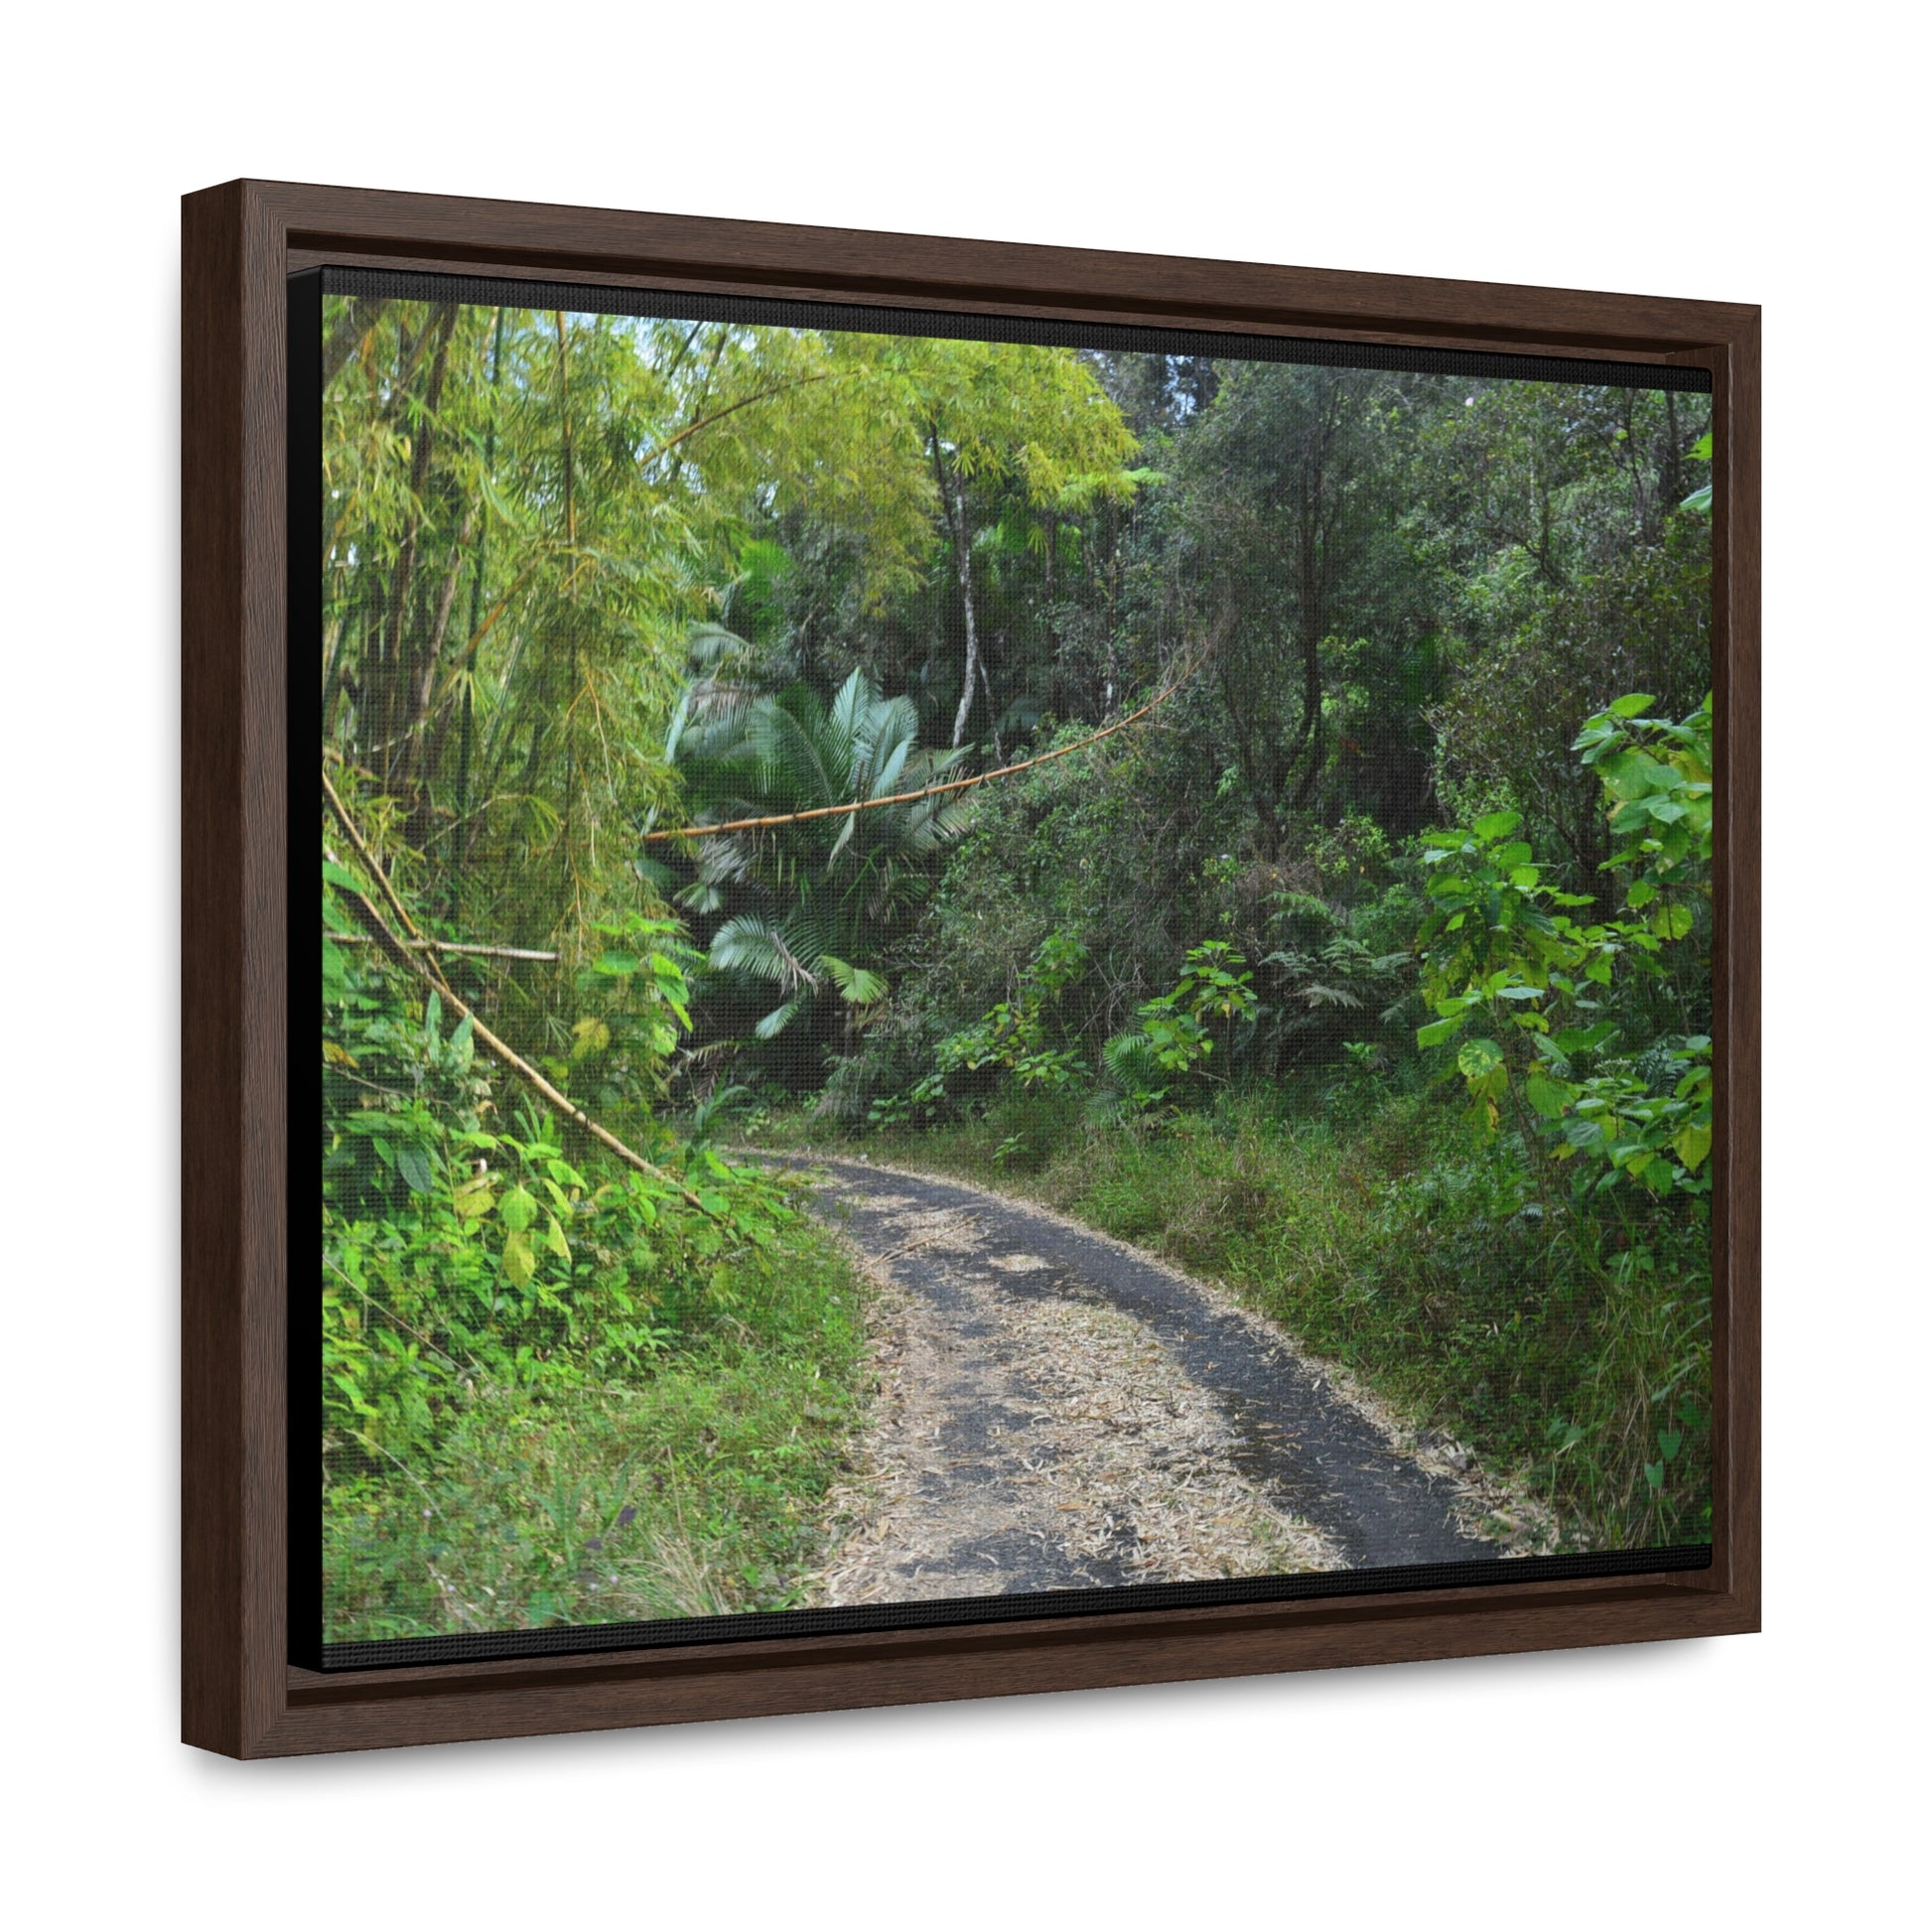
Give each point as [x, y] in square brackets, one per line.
[1059, 1411]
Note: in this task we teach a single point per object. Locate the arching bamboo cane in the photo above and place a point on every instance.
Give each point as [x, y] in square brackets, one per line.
[423, 965]
[925, 792]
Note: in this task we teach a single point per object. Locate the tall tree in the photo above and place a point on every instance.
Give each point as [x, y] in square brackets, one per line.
[1286, 533]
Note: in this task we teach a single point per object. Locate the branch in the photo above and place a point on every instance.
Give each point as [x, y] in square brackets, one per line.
[339, 812]
[424, 967]
[928, 791]
[449, 946]
[731, 409]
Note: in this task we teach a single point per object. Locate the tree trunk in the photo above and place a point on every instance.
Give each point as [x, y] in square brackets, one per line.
[1311, 627]
[571, 615]
[395, 713]
[952, 504]
[466, 748]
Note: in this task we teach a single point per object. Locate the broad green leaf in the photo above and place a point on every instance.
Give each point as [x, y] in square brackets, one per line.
[1545, 1095]
[1497, 825]
[519, 1259]
[519, 1209]
[1581, 1039]
[1693, 1145]
[1438, 1030]
[413, 1163]
[1631, 775]
[1479, 1057]
[1629, 707]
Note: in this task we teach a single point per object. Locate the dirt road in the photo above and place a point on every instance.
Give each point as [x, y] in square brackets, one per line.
[1059, 1411]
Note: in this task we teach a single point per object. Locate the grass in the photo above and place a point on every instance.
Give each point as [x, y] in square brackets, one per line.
[694, 1490]
[1569, 1348]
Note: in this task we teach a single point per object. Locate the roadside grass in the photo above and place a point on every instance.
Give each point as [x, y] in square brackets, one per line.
[694, 1490]
[1568, 1347]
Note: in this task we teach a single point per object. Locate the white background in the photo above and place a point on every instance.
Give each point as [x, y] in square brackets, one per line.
[1679, 150]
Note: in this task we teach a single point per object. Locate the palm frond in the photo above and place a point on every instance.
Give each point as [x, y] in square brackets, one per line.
[775, 1021]
[755, 948]
[794, 770]
[1328, 996]
[855, 983]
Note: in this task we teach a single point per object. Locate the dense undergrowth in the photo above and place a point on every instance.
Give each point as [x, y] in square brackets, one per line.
[555, 1388]
[690, 1487]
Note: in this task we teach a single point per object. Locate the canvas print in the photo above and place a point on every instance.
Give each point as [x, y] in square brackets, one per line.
[964, 967]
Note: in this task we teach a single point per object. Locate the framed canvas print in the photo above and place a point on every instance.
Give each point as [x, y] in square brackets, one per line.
[1035, 968]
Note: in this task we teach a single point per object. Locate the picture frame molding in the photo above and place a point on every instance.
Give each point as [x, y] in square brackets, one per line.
[240, 1695]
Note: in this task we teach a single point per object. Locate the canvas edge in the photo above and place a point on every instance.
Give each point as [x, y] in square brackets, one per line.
[240, 1694]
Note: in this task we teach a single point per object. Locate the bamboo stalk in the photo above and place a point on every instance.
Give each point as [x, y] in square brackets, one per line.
[424, 966]
[928, 791]
[450, 945]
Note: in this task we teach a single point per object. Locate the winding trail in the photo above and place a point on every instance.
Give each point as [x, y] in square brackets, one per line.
[1058, 1410]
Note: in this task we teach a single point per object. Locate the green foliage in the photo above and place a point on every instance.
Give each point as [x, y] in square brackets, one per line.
[637, 995]
[695, 1487]
[1178, 1029]
[1657, 778]
[1700, 498]
[1567, 576]
[1017, 1037]
[492, 1279]
[464, 1249]
[805, 902]
[1500, 949]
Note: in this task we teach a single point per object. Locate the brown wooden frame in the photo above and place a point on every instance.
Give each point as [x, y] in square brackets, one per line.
[240, 1693]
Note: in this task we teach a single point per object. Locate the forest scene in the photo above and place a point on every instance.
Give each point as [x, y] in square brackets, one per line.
[952, 966]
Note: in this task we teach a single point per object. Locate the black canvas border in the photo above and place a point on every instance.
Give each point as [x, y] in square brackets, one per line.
[306, 1647]
[303, 602]
[579, 298]
[576, 1638]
